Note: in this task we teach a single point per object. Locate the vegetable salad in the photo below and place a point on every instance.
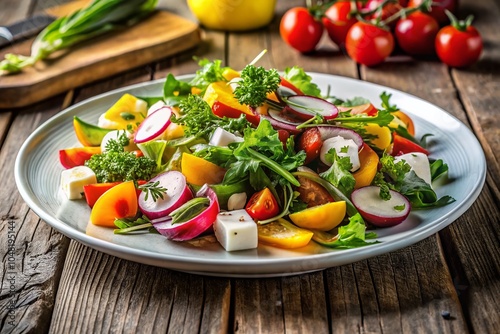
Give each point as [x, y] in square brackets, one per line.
[253, 157]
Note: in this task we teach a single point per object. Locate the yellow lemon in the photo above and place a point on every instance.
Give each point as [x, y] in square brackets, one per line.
[233, 15]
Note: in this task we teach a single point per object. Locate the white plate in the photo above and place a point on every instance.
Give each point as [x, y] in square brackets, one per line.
[37, 172]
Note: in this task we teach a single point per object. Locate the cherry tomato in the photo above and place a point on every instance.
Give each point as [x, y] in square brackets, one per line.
[300, 30]
[338, 20]
[401, 145]
[368, 44]
[416, 34]
[382, 13]
[310, 142]
[262, 205]
[459, 44]
[438, 8]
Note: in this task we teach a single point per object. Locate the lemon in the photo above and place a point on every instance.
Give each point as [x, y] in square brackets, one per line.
[233, 15]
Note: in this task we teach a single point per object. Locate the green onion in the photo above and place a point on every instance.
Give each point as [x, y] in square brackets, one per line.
[99, 17]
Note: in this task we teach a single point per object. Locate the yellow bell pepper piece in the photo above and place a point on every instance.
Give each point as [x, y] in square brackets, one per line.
[127, 110]
[383, 134]
[368, 159]
[322, 217]
[199, 171]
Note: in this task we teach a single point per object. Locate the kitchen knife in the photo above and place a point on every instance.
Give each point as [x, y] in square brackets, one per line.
[23, 29]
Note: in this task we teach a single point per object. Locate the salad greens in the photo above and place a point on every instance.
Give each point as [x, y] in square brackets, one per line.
[100, 17]
[258, 157]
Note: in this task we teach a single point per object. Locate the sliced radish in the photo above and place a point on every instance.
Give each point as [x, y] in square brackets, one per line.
[177, 194]
[280, 121]
[195, 226]
[154, 125]
[334, 131]
[306, 107]
[379, 212]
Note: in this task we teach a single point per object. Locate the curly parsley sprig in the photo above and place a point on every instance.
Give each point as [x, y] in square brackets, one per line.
[255, 84]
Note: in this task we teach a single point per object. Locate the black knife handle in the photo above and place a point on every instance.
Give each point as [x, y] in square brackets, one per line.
[23, 29]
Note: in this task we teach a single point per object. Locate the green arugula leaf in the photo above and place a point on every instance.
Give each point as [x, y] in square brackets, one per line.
[351, 235]
[438, 169]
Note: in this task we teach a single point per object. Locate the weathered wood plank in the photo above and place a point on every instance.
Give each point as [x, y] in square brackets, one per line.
[472, 242]
[32, 253]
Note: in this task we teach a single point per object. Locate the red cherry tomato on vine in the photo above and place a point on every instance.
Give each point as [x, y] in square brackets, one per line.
[300, 29]
[388, 9]
[368, 44]
[338, 20]
[416, 34]
[459, 44]
[438, 8]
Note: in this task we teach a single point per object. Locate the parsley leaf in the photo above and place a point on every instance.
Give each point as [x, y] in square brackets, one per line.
[208, 73]
[339, 172]
[200, 122]
[255, 84]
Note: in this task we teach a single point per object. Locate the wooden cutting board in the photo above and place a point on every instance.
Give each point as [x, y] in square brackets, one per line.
[160, 35]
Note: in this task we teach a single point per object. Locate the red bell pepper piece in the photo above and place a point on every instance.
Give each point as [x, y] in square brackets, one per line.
[223, 110]
[94, 191]
[401, 145]
[77, 156]
[285, 83]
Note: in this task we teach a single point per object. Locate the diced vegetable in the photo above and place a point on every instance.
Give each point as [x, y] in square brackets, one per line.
[282, 233]
[262, 205]
[88, 134]
[322, 217]
[154, 125]
[118, 202]
[72, 157]
[199, 171]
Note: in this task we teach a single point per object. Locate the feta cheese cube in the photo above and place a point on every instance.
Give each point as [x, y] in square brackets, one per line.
[344, 148]
[221, 137]
[236, 230]
[419, 163]
[73, 180]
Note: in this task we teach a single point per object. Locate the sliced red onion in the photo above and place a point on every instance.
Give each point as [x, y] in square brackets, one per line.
[177, 194]
[307, 106]
[195, 226]
[153, 125]
[334, 131]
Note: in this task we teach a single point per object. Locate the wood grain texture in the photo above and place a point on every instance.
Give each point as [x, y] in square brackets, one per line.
[32, 253]
[160, 35]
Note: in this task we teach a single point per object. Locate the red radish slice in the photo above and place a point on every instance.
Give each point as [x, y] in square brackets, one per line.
[153, 125]
[281, 123]
[177, 194]
[377, 211]
[327, 132]
[195, 226]
[306, 107]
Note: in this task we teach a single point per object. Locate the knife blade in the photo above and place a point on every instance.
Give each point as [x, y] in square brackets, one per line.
[24, 29]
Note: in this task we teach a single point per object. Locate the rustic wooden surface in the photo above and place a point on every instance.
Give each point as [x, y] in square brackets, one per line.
[62, 286]
[160, 35]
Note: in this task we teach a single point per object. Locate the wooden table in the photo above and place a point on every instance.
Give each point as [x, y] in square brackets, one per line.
[62, 286]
